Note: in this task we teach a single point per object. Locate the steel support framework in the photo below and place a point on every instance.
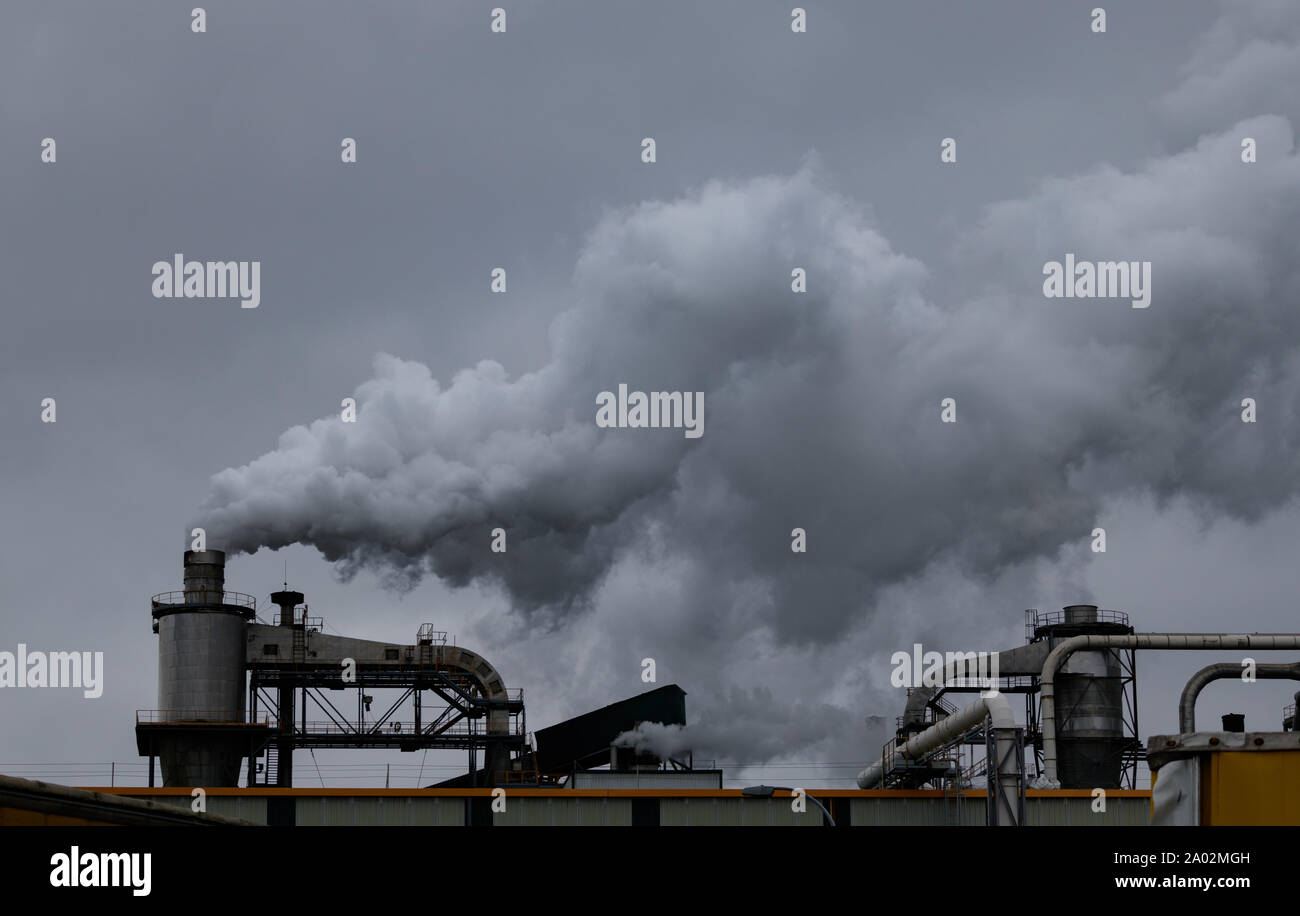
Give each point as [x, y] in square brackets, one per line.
[457, 724]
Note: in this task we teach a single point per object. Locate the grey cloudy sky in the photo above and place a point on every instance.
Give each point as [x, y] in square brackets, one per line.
[522, 151]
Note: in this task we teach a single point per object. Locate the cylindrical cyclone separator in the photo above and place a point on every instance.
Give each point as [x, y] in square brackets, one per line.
[1185, 641]
[1091, 736]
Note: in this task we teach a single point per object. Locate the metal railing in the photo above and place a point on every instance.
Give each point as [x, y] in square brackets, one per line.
[517, 777]
[951, 752]
[202, 596]
[204, 716]
[1004, 683]
[403, 729]
[427, 634]
[1035, 619]
[301, 619]
[931, 713]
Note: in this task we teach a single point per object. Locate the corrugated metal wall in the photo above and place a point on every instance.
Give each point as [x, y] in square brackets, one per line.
[913, 812]
[971, 812]
[565, 812]
[1077, 812]
[381, 811]
[245, 807]
[734, 812]
[693, 811]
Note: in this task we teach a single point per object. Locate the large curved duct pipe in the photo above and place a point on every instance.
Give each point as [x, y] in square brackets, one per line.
[1221, 672]
[944, 732]
[1186, 641]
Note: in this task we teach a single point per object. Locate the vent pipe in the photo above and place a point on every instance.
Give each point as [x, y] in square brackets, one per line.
[287, 601]
[1185, 641]
[1220, 672]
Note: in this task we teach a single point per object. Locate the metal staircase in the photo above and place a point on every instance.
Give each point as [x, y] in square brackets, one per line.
[271, 768]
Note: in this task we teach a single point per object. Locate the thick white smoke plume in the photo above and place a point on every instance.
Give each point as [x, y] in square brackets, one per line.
[664, 741]
[822, 409]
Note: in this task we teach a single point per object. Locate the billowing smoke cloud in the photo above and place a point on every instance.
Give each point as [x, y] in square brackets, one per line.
[822, 409]
[692, 295]
[664, 741]
[1248, 64]
[754, 722]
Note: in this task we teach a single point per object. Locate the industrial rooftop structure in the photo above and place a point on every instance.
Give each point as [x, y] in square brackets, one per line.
[238, 695]
[232, 689]
[207, 722]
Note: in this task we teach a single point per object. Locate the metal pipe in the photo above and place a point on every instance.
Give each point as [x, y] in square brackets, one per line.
[1220, 672]
[1188, 641]
[944, 732]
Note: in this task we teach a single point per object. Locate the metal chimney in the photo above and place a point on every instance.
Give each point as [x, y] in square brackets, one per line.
[201, 646]
[286, 601]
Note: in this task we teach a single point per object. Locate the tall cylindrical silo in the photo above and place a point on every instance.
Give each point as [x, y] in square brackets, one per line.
[201, 673]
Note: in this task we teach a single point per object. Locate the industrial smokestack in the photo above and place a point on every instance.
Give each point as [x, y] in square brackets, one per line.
[202, 633]
[205, 576]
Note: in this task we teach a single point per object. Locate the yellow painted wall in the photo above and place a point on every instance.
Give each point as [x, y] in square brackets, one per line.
[1251, 788]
